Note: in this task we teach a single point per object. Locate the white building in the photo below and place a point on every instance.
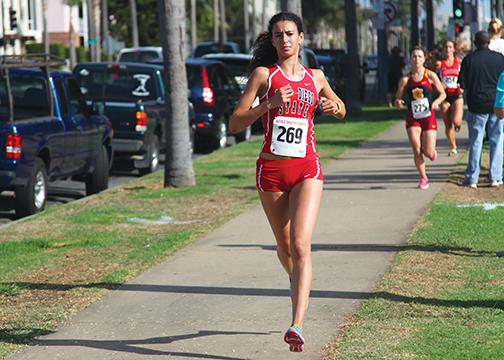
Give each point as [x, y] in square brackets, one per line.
[29, 19]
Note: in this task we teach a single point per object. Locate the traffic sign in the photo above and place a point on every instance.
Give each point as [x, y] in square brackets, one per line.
[389, 11]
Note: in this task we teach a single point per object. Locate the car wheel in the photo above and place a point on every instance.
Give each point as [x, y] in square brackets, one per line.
[244, 135]
[31, 199]
[153, 155]
[98, 180]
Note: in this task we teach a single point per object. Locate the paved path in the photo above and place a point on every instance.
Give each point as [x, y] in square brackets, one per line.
[226, 296]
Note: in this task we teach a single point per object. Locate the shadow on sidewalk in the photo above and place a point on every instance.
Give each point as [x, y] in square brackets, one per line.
[450, 250]
[135, 346]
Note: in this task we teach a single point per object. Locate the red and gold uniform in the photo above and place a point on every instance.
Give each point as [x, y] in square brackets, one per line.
[419, 96]
[288, 131]
[449, 76]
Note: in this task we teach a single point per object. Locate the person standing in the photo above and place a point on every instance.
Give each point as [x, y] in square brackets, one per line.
[478, 77]
[452, 108]
[288, 172]
[495, 30]
[418, 90]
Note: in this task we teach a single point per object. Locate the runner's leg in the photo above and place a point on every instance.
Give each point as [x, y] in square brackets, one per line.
[447, 115]
[429, 143]
[276, 207]
[414, 136]
[304, 207]
[457, 112]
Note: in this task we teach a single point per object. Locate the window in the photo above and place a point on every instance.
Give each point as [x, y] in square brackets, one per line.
[30, 97]
[75, 98]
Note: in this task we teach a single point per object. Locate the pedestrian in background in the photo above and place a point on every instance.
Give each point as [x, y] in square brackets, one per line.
[288, 173]
[478, 78]
[452, 108]
[495, 30]
[418, 91]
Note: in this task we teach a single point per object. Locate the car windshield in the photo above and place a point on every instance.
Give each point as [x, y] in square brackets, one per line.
[117, 83]
[139, 56]
[237, 67]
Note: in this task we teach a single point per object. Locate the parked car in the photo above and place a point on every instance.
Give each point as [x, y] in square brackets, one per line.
[132, 97]
[340, 57]
[213, 47]
[214, 93]
[144, 54]
[48, 133]
[333, 73]
[370, 63]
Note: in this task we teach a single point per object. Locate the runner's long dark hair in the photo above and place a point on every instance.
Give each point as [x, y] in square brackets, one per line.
[263, 52]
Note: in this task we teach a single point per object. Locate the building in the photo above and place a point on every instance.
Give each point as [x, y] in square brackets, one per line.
[22, 22]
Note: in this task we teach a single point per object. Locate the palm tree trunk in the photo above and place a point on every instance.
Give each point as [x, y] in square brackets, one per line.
[216, 21]
[430, 25]
[223, 37]
[193, 24]
[178, 164]
[246, 40]
[415, 37]
[134, 23]
[352, 72]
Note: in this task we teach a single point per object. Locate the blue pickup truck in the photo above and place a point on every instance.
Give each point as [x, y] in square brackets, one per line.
[47, 133]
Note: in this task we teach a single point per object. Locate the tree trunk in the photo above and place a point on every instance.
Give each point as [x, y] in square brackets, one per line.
[246, 40]
[104, 27]
[431, 36]
[71, 41]
[415, 37]
[178, 164]
[223, 37]
[193, 24]
[293, 6]
[216, 21]
[352, 72]
[134, 23]
[44, 26]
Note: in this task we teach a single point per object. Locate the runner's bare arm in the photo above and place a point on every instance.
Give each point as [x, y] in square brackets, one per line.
[257, 85]
[330, 103]
[438, 86]
[401, 85]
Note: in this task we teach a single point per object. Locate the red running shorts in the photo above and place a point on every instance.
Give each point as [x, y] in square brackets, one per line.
[283, 175]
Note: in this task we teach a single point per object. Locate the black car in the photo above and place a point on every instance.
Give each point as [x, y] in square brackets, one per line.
[214, 93]
[213, 47]
[333, 73]
[131, 95]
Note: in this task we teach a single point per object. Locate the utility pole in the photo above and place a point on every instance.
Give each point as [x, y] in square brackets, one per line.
[3, 30]
[134, 23]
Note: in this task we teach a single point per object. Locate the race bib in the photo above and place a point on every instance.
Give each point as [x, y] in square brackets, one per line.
[420, 108]
[450, 82]
[289, 136]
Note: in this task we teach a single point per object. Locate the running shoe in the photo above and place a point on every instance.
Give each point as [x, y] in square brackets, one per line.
[496, 183]
[423, 184]
[294, 337]
[434, 157]
[470, 185]
[453, 152]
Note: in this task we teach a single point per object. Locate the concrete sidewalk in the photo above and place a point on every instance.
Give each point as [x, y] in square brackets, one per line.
[226, 296]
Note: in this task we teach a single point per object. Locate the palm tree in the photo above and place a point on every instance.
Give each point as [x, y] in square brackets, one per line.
[134, 23]
[352, 74]
[178, 164]
[293, 6]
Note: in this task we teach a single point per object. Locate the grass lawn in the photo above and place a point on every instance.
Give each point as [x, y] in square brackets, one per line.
[54, 264]
[443, 297]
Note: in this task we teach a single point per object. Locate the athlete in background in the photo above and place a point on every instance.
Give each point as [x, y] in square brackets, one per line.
[452, 108]
[288, 173]
[418, 90]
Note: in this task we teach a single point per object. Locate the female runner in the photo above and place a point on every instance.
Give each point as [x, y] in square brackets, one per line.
[453, 107]
[421, 125]
[288, 173]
